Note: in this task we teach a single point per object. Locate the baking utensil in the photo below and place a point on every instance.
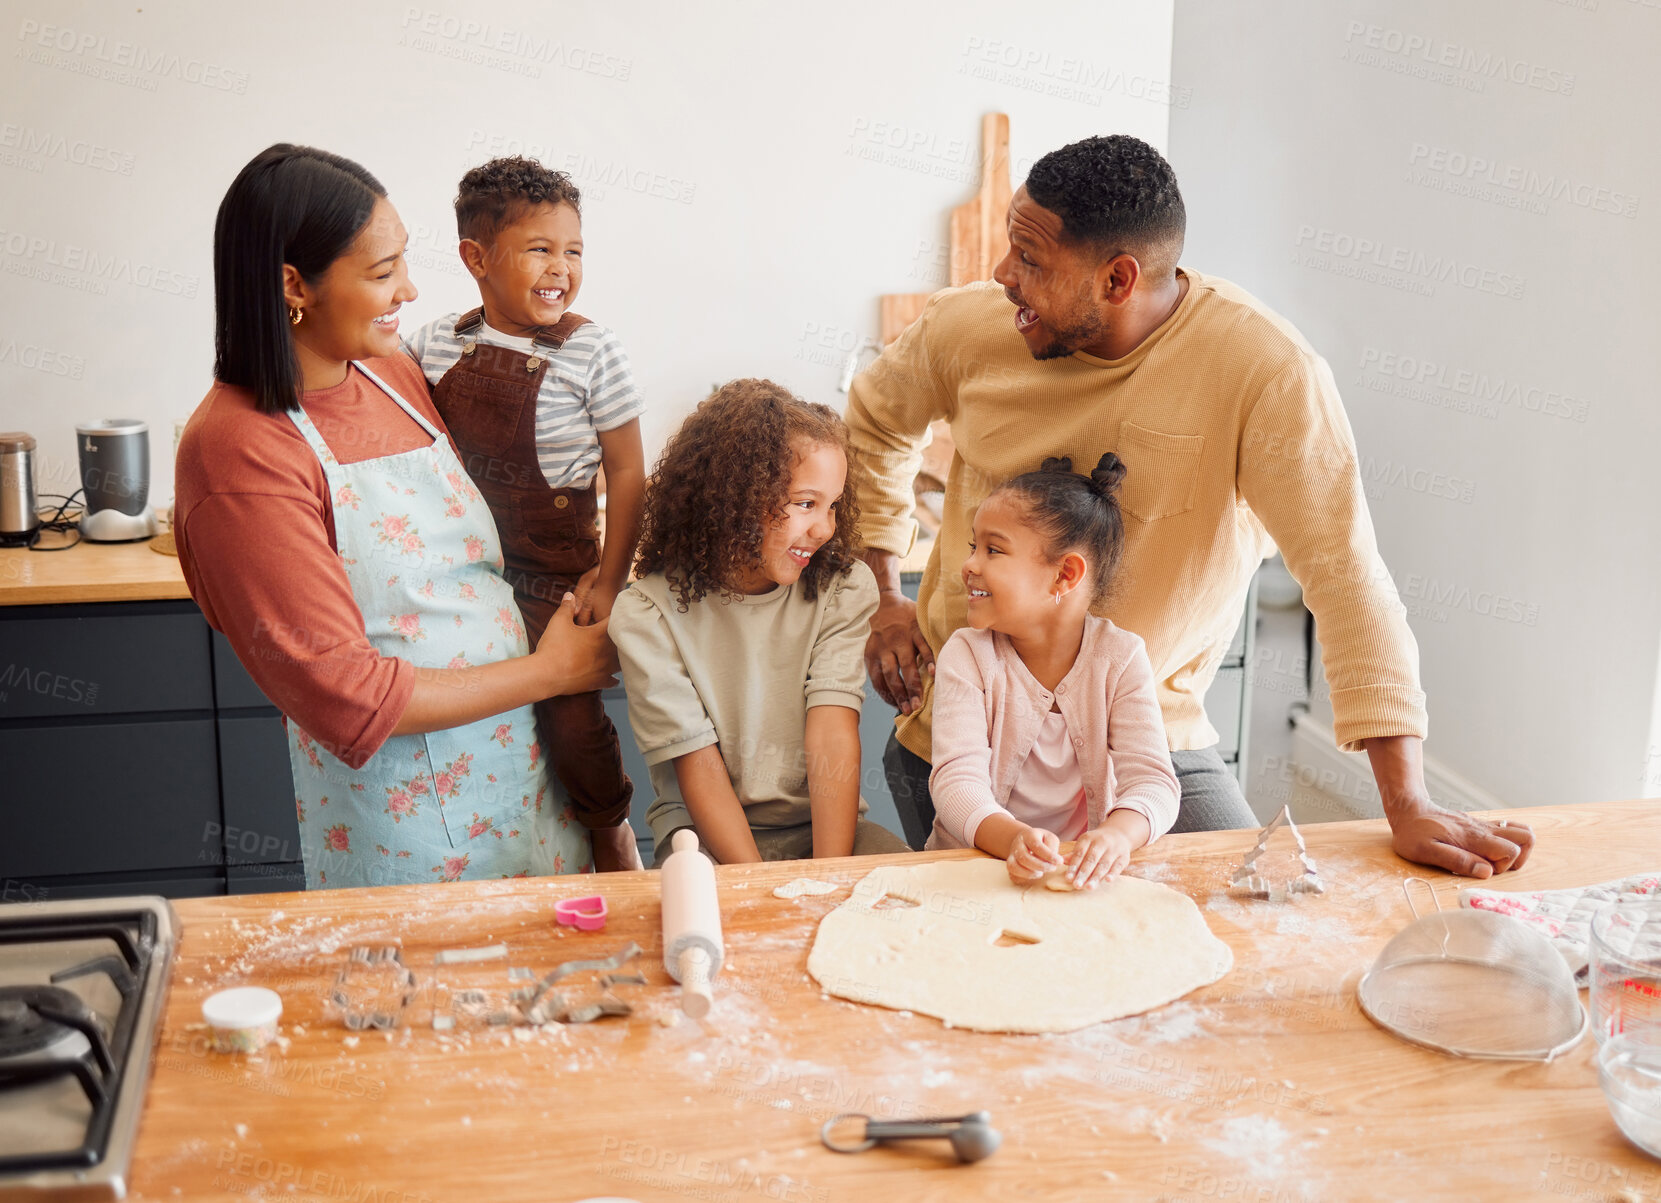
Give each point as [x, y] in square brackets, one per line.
[584, 914]
[1625, 955]
[692, 946]
[1629, 1070]
[244, 1019]
[1473, 984]
[543, 1004]
[972, 1136]
[373, 987]
[1252, 881]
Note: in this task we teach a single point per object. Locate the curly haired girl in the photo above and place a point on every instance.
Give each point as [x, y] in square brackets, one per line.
[742, 642]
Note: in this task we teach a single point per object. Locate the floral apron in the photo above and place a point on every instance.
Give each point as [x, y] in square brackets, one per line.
[425, 566]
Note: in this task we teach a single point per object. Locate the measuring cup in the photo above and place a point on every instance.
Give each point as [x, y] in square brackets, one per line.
[1625, 954]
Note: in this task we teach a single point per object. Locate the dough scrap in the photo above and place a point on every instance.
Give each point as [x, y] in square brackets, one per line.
[1058, 881]
[962, 951]
[805, 886]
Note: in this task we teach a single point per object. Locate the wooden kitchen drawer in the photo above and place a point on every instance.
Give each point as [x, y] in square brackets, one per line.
[83, 661]
[109, 797]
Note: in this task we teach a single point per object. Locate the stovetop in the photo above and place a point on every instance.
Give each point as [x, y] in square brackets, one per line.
[82, 985]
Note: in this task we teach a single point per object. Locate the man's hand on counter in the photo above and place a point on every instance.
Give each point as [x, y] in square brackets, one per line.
[1461, 843]
[1428, 834]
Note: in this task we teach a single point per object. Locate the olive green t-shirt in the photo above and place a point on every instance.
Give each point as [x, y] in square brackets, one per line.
[740, 672]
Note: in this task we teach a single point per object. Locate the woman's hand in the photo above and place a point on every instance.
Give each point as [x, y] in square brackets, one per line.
[1032, 853]
[574, 659]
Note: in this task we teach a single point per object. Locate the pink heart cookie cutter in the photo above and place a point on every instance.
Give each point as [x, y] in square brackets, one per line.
[584, 914]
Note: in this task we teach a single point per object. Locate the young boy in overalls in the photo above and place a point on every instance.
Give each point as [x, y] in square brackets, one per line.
[537, 398]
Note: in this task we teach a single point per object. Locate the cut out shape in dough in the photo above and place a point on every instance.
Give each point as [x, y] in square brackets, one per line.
[1059, 882]
[1125, 947]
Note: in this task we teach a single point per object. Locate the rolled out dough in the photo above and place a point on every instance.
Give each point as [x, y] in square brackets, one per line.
[978, 951]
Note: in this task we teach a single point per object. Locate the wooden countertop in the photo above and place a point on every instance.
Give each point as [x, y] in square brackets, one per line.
[89, 572]
[1268, 1085]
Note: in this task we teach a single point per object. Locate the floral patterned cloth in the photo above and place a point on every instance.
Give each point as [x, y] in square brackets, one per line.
[422, 556]
[1562, 916]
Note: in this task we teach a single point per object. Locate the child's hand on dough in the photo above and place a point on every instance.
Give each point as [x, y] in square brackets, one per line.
[1098, 854]
[1033, 853]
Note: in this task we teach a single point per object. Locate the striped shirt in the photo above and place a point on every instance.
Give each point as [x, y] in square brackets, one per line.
[587, 388]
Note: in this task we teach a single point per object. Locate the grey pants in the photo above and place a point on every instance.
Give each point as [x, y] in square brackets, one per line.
[1211, 797]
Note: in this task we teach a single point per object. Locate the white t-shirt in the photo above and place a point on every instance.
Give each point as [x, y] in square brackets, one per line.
[587, 388]
[1049, 790]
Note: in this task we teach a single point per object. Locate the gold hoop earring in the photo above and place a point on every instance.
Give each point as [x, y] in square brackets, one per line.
[294, 316]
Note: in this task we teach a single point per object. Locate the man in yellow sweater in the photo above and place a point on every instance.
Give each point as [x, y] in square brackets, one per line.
[1088, 339]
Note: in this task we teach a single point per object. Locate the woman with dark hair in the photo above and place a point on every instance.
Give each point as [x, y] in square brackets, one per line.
[327, 527]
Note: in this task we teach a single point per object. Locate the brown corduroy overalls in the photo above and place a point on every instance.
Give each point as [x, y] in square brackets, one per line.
[550, 537]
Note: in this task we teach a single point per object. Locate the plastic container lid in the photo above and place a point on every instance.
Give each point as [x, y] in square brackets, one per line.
[243, 1007]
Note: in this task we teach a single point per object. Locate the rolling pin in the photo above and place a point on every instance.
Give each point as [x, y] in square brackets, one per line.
[692, 948]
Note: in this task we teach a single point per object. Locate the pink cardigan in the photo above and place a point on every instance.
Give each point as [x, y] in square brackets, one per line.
[988, 710]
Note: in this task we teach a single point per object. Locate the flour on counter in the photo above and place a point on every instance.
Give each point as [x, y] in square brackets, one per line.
[805, 886]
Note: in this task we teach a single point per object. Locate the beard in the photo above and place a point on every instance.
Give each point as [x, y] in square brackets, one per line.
[1081, 330]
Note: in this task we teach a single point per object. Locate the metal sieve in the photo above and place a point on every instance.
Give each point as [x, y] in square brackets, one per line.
[1475, 984]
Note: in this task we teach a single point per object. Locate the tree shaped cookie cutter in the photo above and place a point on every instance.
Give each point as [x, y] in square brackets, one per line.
[1250, 881]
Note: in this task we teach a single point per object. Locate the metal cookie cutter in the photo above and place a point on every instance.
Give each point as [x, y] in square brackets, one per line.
[1250, 881]
[584, 914]
[543, 1004]
[972, 1136]
[363, 1004]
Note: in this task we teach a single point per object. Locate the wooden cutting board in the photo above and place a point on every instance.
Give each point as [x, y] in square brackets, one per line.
[979, 237]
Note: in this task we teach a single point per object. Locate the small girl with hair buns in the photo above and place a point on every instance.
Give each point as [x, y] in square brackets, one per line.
[1046, 726]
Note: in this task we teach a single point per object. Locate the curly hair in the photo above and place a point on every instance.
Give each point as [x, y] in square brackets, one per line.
[494, 193]
[1113, 194]
[723, 476]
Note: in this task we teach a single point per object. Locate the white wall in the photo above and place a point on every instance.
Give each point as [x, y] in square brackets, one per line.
[755, 175]
[1329, 158]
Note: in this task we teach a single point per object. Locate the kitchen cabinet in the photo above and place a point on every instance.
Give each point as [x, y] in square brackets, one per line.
[141, 757]
[144, 759]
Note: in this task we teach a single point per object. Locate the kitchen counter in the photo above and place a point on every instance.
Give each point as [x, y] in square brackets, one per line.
[89, 572]
[1269, 1084]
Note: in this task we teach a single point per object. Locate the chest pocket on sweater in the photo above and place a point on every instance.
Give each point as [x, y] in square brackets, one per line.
[1162, 472]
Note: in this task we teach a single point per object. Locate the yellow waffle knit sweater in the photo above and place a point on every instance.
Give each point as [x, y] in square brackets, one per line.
[1234, 440]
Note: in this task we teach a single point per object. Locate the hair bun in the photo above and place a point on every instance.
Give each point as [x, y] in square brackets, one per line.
[1056, 463]
[1109, 473]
